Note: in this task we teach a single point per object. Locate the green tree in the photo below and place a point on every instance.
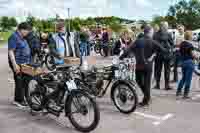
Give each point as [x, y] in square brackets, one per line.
[157, 20]
[172, 21]
[31, 20]
[12, 22]
[4, 23]
[186, 13]
[116, 27]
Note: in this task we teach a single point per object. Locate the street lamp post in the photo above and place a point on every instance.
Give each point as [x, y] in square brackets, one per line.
[68, 9]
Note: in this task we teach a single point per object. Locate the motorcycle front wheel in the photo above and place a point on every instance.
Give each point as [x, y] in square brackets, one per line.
[124, 98]
[83, 112]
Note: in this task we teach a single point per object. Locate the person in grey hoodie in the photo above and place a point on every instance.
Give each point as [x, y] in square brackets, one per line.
[165, 39]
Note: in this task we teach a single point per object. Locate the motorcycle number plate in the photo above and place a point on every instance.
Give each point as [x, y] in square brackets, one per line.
[117, 74]
[71, 85]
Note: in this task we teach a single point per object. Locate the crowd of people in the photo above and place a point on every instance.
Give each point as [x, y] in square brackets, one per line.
[152, 46]
[159, 48]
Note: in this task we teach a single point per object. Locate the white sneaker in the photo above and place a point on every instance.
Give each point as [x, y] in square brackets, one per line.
[19, 105]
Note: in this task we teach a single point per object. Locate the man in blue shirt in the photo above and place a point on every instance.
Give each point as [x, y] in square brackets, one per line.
[19, 53]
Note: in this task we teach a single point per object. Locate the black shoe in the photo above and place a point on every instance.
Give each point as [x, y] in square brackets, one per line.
[186, 93]
[143, 104]
[178, 93]
[168, 88]
[186, 97]
[157, 87]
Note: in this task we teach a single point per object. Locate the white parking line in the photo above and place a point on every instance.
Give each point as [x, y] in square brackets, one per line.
[147, 116]
[162, 119]
[159, 119]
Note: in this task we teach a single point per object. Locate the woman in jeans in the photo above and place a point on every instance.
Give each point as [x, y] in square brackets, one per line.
[187, 56]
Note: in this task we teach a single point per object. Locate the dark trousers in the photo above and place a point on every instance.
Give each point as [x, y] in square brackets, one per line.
[143, 78]
[159, 62]
[105, 48]
[176, 70]
[88, 49]
[20, 90]
[176, 66]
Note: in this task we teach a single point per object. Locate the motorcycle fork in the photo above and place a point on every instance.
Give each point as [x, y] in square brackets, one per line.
[78, 103]
[106, 88]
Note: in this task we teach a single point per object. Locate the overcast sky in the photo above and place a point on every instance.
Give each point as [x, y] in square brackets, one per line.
[132, 9]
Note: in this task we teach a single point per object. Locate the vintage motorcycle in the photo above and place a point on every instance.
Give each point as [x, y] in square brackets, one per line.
[56, 92]
[120, 76]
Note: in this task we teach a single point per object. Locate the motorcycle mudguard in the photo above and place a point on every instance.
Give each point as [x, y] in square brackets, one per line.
[69, 97]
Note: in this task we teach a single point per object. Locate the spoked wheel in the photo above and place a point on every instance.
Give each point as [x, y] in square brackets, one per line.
[50, 62]
[97, 49]
[124, 98]
[84, 112]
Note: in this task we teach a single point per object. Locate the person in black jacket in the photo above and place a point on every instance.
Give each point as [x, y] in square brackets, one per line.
[144, 50]
[165, 40]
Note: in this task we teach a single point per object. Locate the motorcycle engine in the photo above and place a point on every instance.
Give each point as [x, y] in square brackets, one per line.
[99, 84]
[96, 83]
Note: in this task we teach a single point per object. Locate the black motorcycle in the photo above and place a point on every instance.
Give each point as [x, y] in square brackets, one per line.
[56, 92]
[120, 78]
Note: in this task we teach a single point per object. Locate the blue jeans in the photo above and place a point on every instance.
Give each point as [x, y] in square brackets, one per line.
[83, 50]
[187, 72]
